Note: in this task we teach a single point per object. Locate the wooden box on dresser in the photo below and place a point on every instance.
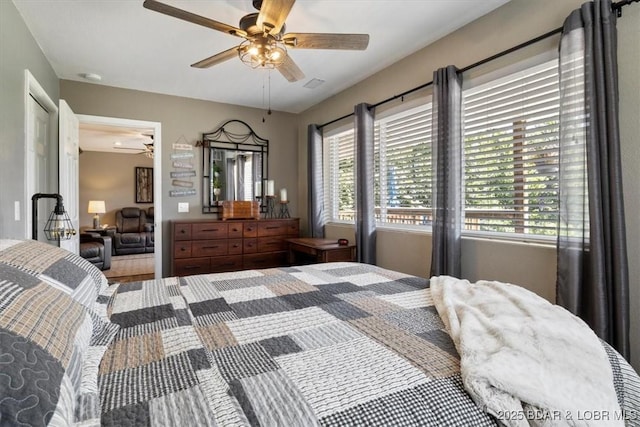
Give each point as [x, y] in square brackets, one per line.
[212, 246]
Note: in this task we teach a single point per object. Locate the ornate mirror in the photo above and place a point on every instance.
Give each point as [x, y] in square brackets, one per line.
[234, 165]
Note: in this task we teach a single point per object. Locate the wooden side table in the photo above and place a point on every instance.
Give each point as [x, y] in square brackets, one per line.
[319, 250]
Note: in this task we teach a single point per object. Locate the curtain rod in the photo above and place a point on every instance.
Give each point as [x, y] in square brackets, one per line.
[617, 7]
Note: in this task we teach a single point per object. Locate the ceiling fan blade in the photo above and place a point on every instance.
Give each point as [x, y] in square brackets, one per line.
[192, 17]
[290, 70]
[273, 13]
[326, 41]
[217, 58]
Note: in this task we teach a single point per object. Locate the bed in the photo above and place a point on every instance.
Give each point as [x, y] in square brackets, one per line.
[326, 344]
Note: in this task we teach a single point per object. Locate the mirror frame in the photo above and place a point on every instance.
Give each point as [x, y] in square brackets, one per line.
[226, 137]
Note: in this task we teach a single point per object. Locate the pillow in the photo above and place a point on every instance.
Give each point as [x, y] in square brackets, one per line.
[55, 266]
[52, 336]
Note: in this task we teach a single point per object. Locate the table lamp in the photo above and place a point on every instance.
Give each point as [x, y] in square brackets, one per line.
[96, 207]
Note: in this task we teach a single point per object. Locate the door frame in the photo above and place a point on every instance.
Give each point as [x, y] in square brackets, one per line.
[157, 173]
[34, 89]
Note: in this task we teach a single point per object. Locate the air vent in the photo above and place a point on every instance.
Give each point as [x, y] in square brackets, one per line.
[313, 83]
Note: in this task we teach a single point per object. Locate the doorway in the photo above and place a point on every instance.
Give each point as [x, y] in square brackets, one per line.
[148, 153]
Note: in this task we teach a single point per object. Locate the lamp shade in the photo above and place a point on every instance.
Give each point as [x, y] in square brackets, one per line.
[96, 206]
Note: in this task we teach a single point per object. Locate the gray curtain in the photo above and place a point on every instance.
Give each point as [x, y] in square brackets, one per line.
[365, 206]
[448, 182]
[229, 179]
[315, 181]
[240, 164]
[256, 163]
[592, 279]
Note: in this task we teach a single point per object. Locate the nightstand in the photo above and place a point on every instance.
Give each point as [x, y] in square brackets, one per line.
[319, 250]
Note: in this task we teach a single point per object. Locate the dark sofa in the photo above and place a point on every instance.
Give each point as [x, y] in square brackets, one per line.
[132, 235]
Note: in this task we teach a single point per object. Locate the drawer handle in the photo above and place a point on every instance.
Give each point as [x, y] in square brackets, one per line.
[183, 249]
[236, 245]
[210, 247]
[206, 230]
[234, 229]
[249, 229]
[183, 231]
[191, 267]
[250, 245]
[274, 227]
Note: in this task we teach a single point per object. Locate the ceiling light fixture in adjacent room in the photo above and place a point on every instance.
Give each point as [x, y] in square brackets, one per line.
[92, 77]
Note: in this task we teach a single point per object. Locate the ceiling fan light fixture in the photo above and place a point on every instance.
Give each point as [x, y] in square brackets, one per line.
[262, 52]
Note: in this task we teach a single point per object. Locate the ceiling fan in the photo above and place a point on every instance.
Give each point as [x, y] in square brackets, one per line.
[148, 146]
[265, 42]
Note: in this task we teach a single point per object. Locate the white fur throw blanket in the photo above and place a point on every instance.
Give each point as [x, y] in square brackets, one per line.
[524, 360]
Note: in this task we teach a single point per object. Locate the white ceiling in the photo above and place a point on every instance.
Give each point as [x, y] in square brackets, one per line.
[114, 139]
[135, 48]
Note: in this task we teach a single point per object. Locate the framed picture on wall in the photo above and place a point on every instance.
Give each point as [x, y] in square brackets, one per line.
[144, 185]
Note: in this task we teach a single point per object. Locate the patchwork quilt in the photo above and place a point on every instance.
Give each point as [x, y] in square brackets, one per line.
[327, 344]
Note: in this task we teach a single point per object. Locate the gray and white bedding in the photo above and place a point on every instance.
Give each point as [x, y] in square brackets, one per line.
[327, 344]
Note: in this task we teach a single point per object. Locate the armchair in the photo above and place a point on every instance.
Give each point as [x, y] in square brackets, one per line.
[130, 236]
[96, 249]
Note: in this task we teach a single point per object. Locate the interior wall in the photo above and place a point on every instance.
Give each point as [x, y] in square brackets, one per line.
[109, 177]
[19, 51]
[184, 120]
[529, 265]
[629, 68]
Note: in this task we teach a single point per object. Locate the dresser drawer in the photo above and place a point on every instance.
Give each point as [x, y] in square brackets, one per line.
[250, 246]
[250, 229]
[225, 263]
[209, 247]
[182, 232]
[235, 247]
[274, 259]
[272, 228]
[235, 230]
[182, 249]
[186, 267]
[270, 244]
[210, 230]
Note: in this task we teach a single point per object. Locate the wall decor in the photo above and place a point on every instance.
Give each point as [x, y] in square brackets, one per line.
[183, 165]
[144, 185]
[182, 155]
[182, 174]
[181, 183]
[181, 193]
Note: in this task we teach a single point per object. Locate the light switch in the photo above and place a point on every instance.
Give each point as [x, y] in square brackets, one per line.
[16, 210]
[183, 207]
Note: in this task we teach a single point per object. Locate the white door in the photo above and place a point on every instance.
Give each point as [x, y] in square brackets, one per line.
[69, 143]
[37, 163]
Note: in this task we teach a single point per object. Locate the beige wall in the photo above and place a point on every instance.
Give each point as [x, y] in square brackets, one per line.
[629, 69]
[109, 177]
[189, 118]
[19, 51]
[530, 265]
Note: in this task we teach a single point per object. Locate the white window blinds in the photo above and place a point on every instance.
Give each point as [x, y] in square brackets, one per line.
[339, 184]
[403, 167]
[511, 153]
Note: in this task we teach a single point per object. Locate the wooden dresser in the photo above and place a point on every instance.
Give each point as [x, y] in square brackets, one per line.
[212, 246]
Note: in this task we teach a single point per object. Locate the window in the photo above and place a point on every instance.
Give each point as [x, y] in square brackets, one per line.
[340, 177]
[510, 159]
[511, 153]
[402, 155]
